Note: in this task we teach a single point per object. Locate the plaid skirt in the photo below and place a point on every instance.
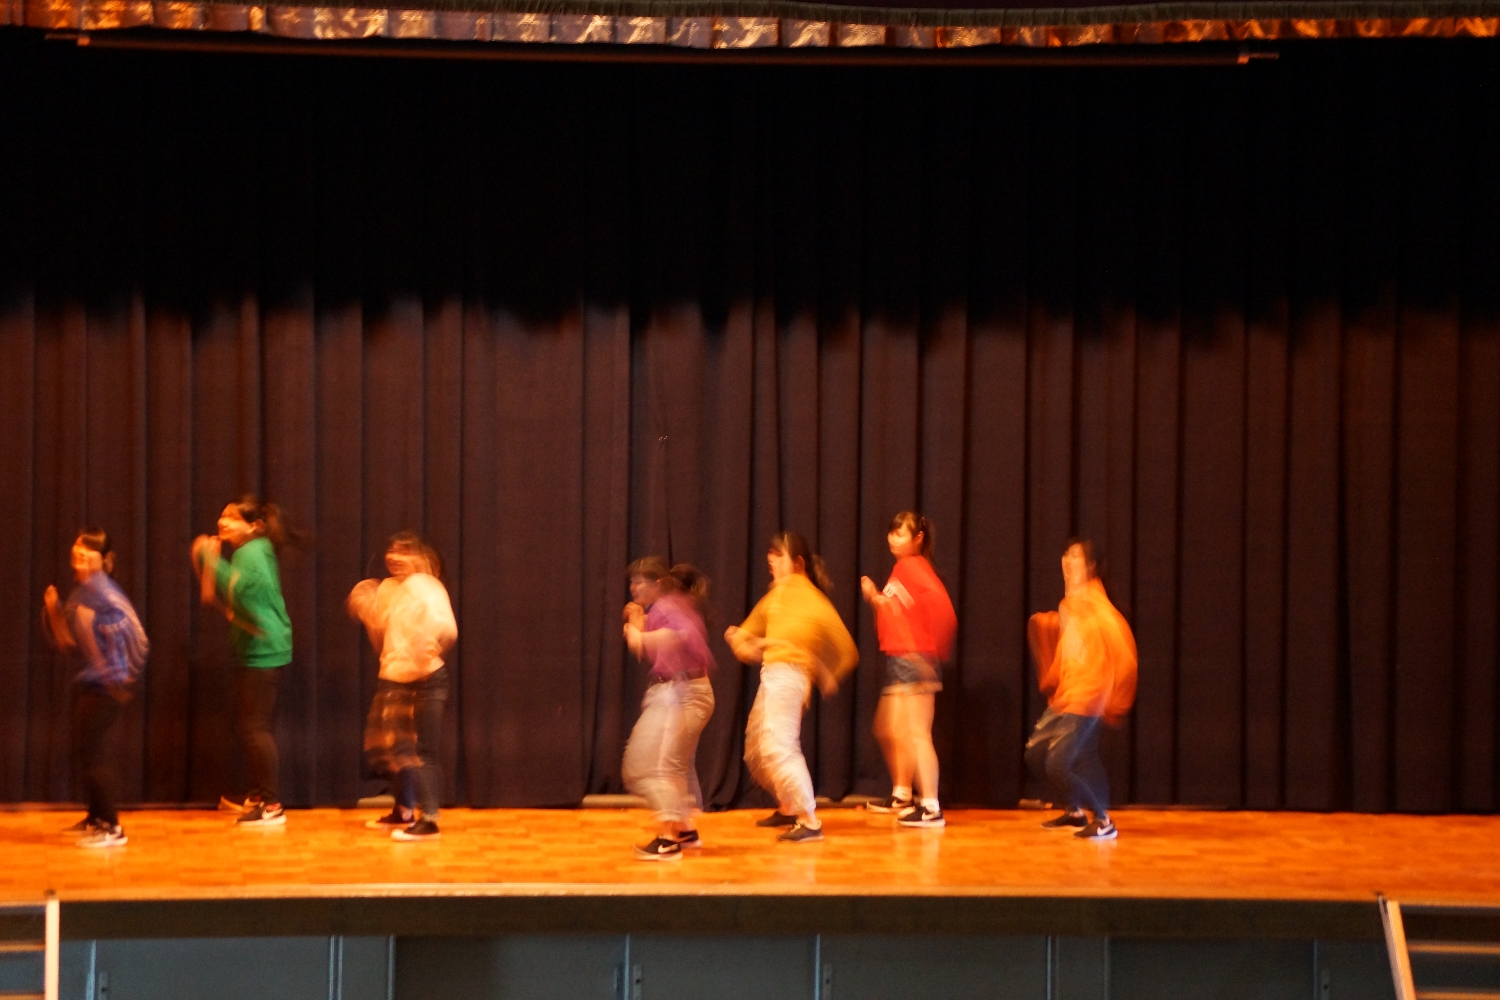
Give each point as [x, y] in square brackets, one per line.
[391, 729]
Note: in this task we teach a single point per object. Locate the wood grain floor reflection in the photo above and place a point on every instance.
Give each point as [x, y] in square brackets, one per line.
[1160, 854]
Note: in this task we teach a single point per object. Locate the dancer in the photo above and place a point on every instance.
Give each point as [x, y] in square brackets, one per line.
[1086, 663]
[98, 629]
[916, 624]
[798, 637]
[247, 587]
[410, 622]
[664, 627]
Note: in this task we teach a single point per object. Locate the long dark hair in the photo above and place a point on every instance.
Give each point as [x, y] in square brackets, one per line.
[684, 578]
[794, 546]
[917, 525]
[252, 508]
[97, 540]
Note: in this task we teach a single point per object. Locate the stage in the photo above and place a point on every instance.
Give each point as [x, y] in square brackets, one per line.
[1184, 874]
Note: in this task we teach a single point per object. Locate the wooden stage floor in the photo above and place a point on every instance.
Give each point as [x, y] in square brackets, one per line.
[506, 870]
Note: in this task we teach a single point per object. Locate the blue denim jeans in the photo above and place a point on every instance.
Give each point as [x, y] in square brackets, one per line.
[1063, 752]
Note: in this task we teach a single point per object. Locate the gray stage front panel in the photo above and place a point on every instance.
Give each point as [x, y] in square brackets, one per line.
[719, 968]
[295, 968]
[362, 968]
[523, 967]
[1080, 968]
[286, 968]
[21, 972]
[1354, 970]
[880, 967]
[1210, 970]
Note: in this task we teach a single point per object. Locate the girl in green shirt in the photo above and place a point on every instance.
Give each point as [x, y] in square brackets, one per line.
[247, 587]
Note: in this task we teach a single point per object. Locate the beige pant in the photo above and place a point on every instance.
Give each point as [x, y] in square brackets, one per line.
[661, 757]
[773, 738]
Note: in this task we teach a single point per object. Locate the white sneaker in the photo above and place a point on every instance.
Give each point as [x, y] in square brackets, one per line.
[104, 836]
[261, 814]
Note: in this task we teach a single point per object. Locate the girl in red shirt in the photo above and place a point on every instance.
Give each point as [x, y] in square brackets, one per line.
[915, 622]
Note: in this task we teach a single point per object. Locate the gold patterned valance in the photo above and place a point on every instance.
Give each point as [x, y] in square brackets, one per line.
[747, 24]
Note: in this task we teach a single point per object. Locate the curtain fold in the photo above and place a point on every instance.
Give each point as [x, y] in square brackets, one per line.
[1237, 326]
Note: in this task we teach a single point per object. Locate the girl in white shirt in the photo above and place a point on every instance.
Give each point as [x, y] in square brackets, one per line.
[410, 622]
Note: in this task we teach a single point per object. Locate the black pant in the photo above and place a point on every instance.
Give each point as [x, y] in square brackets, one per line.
[95, 712]
[255, 711]
[1064, 752]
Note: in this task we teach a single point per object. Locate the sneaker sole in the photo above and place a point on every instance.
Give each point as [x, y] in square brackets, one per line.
[1102, 836]
[407, 838]
[94, 844]
[258, 823]
[925, 824]
[648, 856]
[802, 840]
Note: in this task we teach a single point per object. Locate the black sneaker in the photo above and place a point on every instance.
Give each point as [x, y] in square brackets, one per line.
[922, 816]
[1099, 829]
[689, 838]
[660, 849]
[777, 819]
[800, 834]
[422, 829]
[1067, 821]
[889, 804]
[391, 821]
[263, 814]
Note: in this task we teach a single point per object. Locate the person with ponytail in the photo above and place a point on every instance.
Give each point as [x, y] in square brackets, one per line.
[797, 636]
[664, 627]
[247, 588]
[97, 628]
[410, 623]
[915, 622]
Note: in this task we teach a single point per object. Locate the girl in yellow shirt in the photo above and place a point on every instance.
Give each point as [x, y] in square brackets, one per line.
[798, 637]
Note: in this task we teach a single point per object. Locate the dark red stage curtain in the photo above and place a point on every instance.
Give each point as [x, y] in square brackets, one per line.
[1237, 325]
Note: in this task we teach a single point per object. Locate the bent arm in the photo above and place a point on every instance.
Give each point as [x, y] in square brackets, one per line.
[747, 641]
[843, 653]
[206, 560]
[88, 646]
[56, 620]
[661, 640]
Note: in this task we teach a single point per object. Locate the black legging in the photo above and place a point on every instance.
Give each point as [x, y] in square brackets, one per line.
[94, 714]
[255, 709]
